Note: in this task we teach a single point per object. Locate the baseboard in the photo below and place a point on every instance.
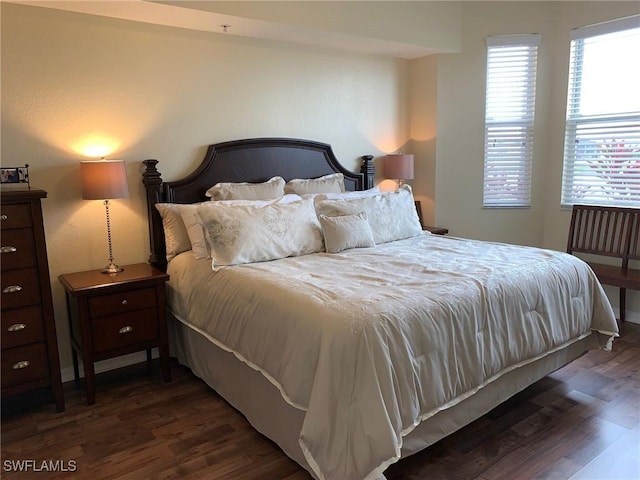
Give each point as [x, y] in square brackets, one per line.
[110, 364]
[631, 317]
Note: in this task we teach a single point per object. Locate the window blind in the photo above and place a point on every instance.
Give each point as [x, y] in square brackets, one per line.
[602, 133]
[509, 116]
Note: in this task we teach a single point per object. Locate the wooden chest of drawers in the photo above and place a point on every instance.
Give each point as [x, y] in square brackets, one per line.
[29, 345]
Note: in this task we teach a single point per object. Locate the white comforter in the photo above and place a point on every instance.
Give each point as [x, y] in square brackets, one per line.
[369, 342]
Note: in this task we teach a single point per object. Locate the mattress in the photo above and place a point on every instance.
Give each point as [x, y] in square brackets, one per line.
[369, 343]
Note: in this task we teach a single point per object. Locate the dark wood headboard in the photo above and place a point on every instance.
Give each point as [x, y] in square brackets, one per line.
[250, 160]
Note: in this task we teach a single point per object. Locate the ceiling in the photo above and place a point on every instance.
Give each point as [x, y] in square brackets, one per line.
[198, 16]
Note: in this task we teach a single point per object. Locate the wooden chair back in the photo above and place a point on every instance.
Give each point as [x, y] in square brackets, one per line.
[608, 231]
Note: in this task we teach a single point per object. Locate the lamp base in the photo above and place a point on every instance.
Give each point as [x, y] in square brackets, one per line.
[112, 268]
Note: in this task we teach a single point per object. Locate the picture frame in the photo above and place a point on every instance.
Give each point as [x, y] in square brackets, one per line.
[11, 175]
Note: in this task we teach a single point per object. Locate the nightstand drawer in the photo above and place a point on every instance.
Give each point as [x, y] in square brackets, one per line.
[116, 331]
[21, 326]
[20, 288]
[15, 216]
[122, 302]
[24, 364]
[17, 249]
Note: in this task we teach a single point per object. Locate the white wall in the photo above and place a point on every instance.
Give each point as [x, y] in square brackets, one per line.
[71, 80]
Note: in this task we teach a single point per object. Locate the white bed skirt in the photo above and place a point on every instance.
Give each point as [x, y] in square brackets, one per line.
[262, 404]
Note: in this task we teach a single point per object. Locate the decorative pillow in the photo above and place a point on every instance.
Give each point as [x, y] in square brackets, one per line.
[333, 183]
[392, 215]
[346, 195]
[176, 237]
[237, 234]
[346, 231]
[273, 188]
[193, 225]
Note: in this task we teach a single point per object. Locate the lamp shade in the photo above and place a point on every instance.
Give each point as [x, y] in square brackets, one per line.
[104, 179]
[398, 166]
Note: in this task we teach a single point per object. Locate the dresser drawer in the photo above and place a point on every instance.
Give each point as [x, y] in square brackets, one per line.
[20, 288]
[17, 249]
[125, 329]
[15, 216]
[24, 364]
[122, 302]
[21, 326]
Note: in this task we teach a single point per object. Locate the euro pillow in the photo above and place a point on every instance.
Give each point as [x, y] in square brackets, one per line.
[346, 231]
[391, 215]
[237, 234]
[332, 183]
[272, 188]
[176, 238]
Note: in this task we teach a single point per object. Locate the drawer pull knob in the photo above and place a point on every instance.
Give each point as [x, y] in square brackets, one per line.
[126, 329]
[8, 249]
[16, 327]
[20, 365]
[124, 302]
[12, 289]
[3, 217]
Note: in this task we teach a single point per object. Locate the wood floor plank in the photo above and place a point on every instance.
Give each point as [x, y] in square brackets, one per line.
[581, 422]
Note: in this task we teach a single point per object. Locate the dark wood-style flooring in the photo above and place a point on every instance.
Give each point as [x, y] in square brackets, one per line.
[582, 422]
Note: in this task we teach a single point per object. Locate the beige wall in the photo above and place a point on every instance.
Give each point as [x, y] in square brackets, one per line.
[423, 110]
[71, 80]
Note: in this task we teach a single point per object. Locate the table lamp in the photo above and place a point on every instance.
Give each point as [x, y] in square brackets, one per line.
[105, 180]
[398, 166]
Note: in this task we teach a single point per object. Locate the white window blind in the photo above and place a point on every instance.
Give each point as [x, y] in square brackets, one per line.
[509, 113]
[602, 135]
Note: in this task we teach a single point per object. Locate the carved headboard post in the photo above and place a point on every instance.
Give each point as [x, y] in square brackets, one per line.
[369, 171]
[153, 184]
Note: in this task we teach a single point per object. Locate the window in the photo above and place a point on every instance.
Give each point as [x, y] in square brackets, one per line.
[602, 135]
[508, 145]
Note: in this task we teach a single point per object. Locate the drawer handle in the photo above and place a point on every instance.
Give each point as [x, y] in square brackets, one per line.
[3, 217]
[124, 302]
[16, 327]
[8, 249]
[20, 365]
[126, 329]
[12, 289]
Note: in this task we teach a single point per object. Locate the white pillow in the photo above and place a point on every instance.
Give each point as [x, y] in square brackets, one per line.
[193, 224]
[392, 215]
[176, 238]
[194, 229]
[346, 231]
[332, 183]
[237, 234]
[346, 195]
[272, 188]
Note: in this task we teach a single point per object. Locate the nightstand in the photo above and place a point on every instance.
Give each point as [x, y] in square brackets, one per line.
[116, 314]
[436, 230]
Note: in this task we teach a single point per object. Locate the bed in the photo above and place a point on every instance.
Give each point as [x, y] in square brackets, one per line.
[353, 359]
